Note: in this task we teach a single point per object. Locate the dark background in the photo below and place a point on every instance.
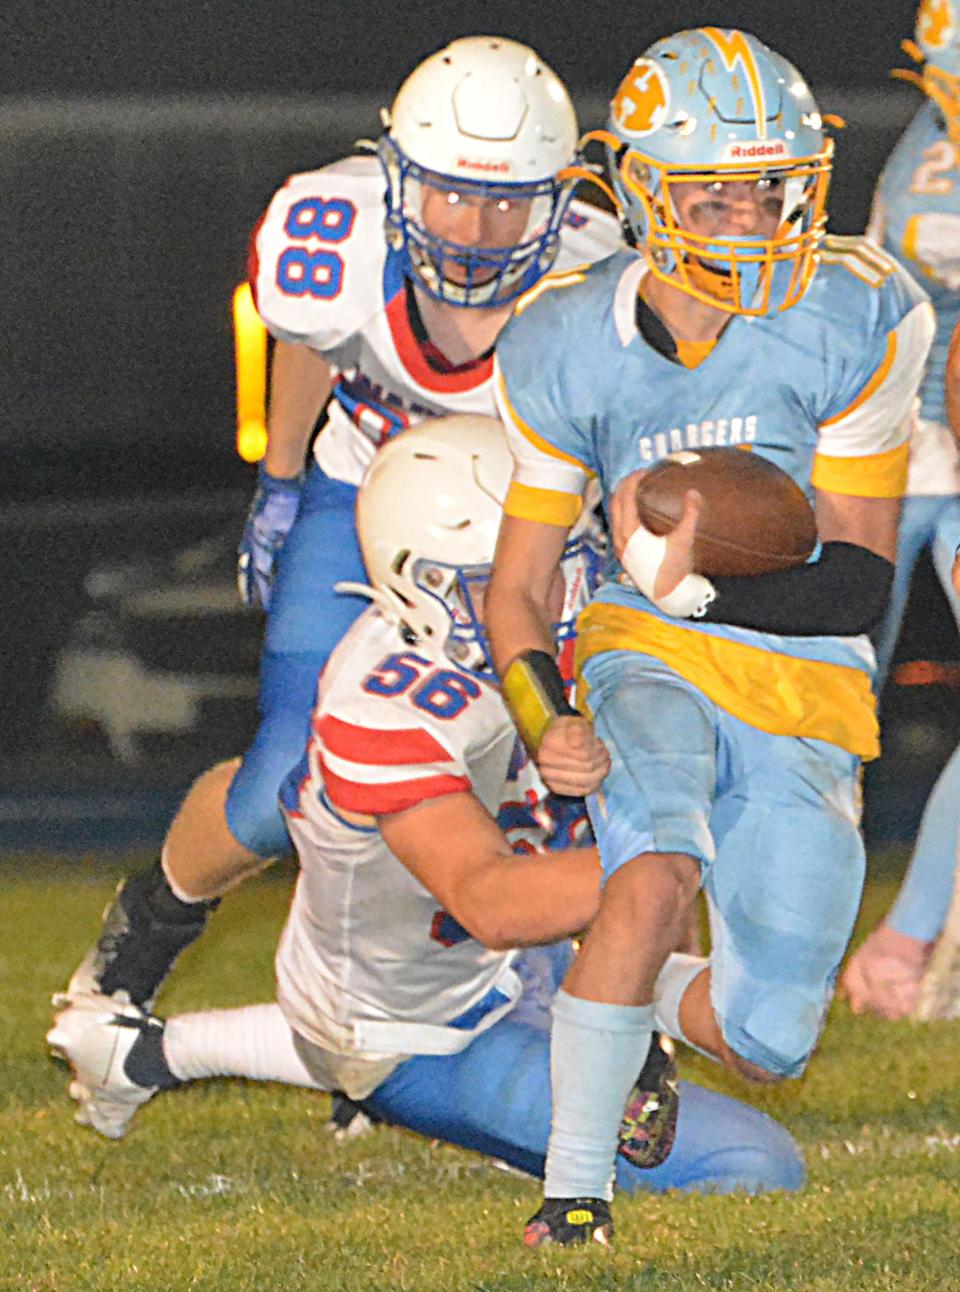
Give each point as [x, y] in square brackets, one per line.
[287, 46]
[139, 143]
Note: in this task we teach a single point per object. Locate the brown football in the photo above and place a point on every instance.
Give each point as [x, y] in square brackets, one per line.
[754, 520]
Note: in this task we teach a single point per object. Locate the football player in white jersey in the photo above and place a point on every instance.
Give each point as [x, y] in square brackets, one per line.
[727, 718]
[916, 217]
[397, 978]
[385, 280]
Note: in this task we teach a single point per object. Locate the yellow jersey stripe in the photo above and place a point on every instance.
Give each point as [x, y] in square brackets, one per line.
[873, 385]
[911, 238]
[530, 434]
[879, 475]
[525, 502]
[781, 694]
[560, 278]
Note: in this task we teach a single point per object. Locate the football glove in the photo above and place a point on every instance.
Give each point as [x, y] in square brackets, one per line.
[272, 513]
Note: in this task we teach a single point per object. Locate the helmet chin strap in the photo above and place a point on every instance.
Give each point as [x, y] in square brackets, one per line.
[710, 281]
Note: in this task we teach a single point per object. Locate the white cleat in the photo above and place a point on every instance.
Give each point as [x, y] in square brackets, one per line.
[96, 1035]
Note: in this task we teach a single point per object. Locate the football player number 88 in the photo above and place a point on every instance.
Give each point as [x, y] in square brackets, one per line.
[312, 271]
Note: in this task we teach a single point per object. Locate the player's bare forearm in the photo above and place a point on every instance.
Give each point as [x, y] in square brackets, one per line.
[867, 522]
[300, 384]
[529, 900]
[519, 612]
[518, 601]
[456, 850]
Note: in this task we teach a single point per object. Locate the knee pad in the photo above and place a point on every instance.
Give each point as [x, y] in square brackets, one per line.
[779, 1031]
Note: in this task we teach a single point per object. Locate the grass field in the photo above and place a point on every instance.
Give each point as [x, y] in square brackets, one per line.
[226, 1185]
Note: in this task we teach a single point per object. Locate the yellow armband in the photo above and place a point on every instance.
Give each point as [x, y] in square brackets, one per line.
[535, 694]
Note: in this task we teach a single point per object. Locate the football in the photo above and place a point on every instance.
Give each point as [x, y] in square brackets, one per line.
[754, 520]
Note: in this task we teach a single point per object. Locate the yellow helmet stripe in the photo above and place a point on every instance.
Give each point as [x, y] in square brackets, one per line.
[733, 45]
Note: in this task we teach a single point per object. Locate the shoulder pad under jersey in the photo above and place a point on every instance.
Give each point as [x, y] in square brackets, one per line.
[856, 279]
[317, 256]
[587, 234]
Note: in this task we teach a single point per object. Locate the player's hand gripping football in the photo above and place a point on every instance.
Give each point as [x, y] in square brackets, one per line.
[571, 758]
[272, 513]
[625, 519]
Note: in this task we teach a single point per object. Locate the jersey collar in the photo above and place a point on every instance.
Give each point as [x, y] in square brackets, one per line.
[410, 353]
[625, 300]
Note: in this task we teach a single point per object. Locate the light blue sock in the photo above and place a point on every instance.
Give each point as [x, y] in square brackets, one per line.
[925, 894]
[596, 1053]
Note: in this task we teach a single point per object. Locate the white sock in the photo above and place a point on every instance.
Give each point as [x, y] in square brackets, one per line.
[255, 1042]
[596, 1052]
[672, 982]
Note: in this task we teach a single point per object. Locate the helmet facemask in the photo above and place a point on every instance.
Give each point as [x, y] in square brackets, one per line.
[459, 593]
[748, 274]
[518, 231]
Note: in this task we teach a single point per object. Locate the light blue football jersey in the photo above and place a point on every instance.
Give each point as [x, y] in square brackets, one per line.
[916, 217]
[825, 390]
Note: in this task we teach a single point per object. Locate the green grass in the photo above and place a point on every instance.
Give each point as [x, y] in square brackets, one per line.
[226, 1185]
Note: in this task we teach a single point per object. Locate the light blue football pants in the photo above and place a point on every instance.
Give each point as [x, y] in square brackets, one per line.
[773, 821]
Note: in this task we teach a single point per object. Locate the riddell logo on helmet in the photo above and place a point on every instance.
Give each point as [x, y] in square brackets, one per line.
[755, 150]
[485, 164]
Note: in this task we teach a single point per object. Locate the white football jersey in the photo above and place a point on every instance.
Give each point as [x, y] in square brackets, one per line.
[323, 275]
[369, 966]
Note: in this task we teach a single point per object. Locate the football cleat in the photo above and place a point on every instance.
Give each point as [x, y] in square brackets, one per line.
[649, 1124]
[348, 1120]
[116, 1053]
[144, 930]
[569, 1221]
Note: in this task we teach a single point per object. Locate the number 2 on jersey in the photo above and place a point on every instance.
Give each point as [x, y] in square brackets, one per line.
[441, 691]
[317, 273]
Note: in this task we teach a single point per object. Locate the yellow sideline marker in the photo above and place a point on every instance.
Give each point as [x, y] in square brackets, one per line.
[250, 345]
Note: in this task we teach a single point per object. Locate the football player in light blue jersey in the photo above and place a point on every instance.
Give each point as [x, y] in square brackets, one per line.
[727, 718]
[916, 217]
[385, 280]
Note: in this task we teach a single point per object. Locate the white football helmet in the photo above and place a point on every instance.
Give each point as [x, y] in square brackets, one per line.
[937, 47]
[698, 112]
[428, 515]
[483, 122]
